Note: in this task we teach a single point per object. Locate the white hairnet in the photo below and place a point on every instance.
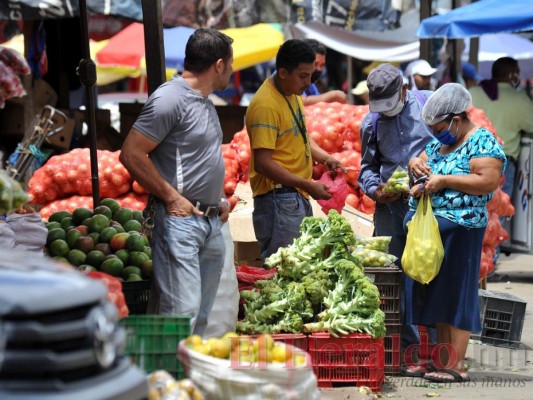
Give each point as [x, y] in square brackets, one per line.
[451, 98]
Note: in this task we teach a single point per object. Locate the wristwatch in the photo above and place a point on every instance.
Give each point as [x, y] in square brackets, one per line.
[224, 201]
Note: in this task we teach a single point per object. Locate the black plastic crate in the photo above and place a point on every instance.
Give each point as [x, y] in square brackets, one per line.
[502, 318]
[392, 345]
[137, 294]
[387, 280]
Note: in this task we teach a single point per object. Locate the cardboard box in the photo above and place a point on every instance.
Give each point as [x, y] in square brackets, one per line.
[247, 253]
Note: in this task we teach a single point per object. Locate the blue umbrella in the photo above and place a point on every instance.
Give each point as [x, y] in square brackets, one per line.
[476, 19]
[175, 40]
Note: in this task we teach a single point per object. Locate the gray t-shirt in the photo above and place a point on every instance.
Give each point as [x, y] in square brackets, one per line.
[189, 154]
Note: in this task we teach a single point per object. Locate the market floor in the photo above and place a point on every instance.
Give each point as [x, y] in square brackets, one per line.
[495, 372]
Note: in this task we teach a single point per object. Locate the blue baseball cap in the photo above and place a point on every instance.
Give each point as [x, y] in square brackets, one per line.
[469, 72]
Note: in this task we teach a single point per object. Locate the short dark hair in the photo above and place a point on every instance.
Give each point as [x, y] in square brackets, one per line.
[503, 66]
[292, 53]
[204, 48]
[316, 46]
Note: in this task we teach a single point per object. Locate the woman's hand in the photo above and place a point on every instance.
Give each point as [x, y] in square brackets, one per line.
[418, 167]
[435, 183]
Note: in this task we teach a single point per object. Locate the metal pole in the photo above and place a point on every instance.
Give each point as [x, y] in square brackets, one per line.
[425, 44]
[349, 78]
[87, 73]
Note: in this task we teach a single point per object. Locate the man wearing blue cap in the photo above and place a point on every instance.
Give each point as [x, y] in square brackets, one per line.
[391, 134]
[470, 75]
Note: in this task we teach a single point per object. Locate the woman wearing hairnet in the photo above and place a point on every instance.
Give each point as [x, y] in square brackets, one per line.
[463, 165]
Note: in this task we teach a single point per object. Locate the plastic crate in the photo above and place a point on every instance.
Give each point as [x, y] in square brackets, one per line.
[387, 280]
[354, 360]
[152, 341]
[502, 318]
[392, 346]
[137, 295]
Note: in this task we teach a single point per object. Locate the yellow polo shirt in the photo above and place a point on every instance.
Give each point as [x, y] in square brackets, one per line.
[271, 125]
[511, 113]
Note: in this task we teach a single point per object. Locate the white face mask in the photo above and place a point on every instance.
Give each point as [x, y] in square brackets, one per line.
[396, 110]
[515, 79]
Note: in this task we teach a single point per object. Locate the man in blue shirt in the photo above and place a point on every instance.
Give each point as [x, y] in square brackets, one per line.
[391, 134]
[312, 95]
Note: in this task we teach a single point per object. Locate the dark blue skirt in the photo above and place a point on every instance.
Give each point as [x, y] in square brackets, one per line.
[452, 297]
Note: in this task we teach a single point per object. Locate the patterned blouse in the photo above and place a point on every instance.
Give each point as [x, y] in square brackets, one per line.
[463, 209]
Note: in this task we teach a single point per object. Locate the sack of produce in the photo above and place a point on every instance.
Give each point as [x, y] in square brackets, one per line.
[7, 237]
[239, 375]
[423, 254]
[373, 258]
[11, 194]
[379, 243]
[223, 315]
[398, 182]
[29, 230]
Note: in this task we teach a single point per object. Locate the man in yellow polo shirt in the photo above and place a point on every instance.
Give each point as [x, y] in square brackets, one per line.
[282, 152]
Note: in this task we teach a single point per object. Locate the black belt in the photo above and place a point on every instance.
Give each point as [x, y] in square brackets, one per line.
[209, 210]
[280, 189]
[284, 189]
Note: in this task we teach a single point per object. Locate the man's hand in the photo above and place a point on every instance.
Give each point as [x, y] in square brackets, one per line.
[385, 198]
[331, 164]
[181, 207]
[224, 212]
[336, 96]
[318, 191]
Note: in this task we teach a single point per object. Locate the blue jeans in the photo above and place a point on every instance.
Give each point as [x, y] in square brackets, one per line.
[188, 255]
[388, 221]
[277, 218]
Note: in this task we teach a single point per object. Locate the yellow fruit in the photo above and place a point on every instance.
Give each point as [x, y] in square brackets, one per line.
[279, 353]
[220, 348]
[240, 358]
[193, 340]
[266, 339]
[201, 348]
[299, 360]
[153, 394]
[230, 335]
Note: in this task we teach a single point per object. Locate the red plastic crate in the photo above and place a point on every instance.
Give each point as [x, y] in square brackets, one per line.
[329, 377]
[295, 339]
[356, 360]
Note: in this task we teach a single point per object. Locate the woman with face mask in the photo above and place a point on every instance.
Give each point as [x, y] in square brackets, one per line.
[463, 164]
[391, 134]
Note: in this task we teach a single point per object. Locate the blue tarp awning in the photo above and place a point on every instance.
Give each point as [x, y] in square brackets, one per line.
[481, 17]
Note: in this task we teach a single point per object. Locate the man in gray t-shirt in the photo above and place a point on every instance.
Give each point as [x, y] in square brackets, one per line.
[174, 152]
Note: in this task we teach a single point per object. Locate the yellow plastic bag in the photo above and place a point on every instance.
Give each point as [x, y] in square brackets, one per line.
[423, 254]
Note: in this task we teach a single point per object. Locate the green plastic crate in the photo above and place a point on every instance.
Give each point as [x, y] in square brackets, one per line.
[152, 341]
